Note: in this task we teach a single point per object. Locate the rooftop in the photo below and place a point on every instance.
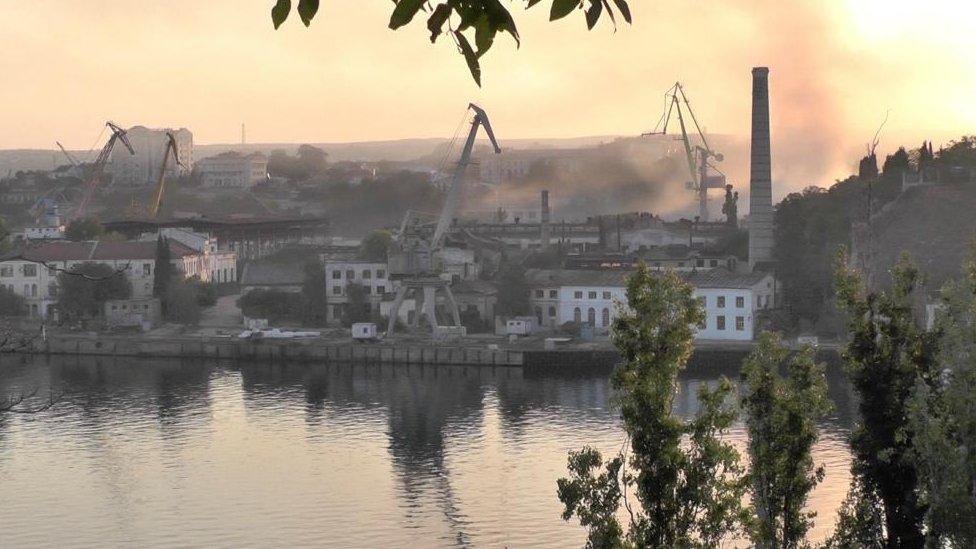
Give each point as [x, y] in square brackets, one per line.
[60, 250]
[272, 274]
[719, 277]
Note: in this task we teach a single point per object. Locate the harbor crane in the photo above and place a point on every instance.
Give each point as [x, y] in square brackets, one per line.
[171, 149]
[699, 156]
[71, 159]
[98, 166]
[414, 257]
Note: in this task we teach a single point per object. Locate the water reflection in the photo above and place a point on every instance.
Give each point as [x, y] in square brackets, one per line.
[348, 455]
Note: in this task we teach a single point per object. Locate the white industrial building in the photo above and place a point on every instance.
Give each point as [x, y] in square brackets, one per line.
[339, 274]
[150, 146]
[594, 297]
[233, 170]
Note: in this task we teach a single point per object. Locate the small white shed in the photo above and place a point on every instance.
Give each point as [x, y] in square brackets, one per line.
[364, 330]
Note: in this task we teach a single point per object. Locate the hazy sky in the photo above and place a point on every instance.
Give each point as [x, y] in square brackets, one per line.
[836, 67]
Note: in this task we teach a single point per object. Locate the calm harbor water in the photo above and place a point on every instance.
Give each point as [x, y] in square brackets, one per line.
[182, 453]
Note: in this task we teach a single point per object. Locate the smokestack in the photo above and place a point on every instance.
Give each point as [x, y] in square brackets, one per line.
[760, 181]
[544, 229]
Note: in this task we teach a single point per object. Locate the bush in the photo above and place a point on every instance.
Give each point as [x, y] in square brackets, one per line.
[181, 302]
[273, 305]
[11, 304]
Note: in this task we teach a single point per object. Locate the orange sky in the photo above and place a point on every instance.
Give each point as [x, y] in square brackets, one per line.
[836, 67]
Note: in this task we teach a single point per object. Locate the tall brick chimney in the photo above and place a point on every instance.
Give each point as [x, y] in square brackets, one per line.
[544, 226]
[760, 181]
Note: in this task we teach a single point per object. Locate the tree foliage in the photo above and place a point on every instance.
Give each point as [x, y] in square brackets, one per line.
[86, 228]
[11, 304]
[513, 291]
[314, 296]
[472, 26]
[688, 482]
[274, 305]
[943, 420]
[886, 356]
[781, 418]
[163, 271]
[376, 246]
[84, 289]
[181, 301]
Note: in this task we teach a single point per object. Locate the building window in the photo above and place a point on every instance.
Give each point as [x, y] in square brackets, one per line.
[146, 269]
[720, 322]
[539, 293]
[740, 323]
[552, 312]
[6, 271]
[578, 295]
[553, 294]
[381, 290]
[337, 290]
[538, 314]
[337, 275]
[367, 273]
[350, 274]
[33, 290]
[606, 317]
[577, 315]
[606, 295]
[380, 273]
[720, 302]
[591, 316]
[740, 302]
[700, 263]
[713, 263]
[30, 270]
[592, 295]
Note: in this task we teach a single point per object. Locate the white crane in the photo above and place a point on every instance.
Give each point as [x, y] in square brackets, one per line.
[413, 259]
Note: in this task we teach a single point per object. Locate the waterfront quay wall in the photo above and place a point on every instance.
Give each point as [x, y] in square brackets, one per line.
[293, 350]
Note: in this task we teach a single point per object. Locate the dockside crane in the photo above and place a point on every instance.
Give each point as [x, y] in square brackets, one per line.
[98, 166]
[699, 156]
[414, 260]
[171, 149]
[71, 159]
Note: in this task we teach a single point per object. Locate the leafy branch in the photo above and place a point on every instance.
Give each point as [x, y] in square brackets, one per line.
[482, 18]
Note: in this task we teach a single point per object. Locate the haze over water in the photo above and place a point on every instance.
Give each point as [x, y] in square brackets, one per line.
[168, 453]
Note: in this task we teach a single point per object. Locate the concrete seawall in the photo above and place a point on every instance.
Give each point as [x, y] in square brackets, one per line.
[274, 350]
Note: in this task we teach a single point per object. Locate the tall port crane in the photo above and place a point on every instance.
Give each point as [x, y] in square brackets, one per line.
[414, 258]
[98, 166]
[171, 149]
[71, 159]
[699, 156]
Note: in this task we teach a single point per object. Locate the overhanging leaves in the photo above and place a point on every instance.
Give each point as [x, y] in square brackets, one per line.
[280, 12]
[307, 10]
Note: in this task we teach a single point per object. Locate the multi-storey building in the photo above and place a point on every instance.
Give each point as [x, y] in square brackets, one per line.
[142, 168]
[33, 272]
[371, 275]
[595, 297]
[233, 170]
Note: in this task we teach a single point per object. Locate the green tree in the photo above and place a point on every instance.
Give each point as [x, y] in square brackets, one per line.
[313, 159]
[86, 228]
[274, 305]
[4, 233]
[943, 419]
[315, 299]
[83, 291]
[687, 480]
[376, 246]
[463, 21]
[356, 309]
[513, 291]
[181, 301]
[163, 271]
[781, 418]
[886, 354]
[11, 304]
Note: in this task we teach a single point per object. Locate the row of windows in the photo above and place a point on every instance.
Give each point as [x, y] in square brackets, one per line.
[380, 290]
[740, 301]
[351, 274]
[28, 270]
[720, 325]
